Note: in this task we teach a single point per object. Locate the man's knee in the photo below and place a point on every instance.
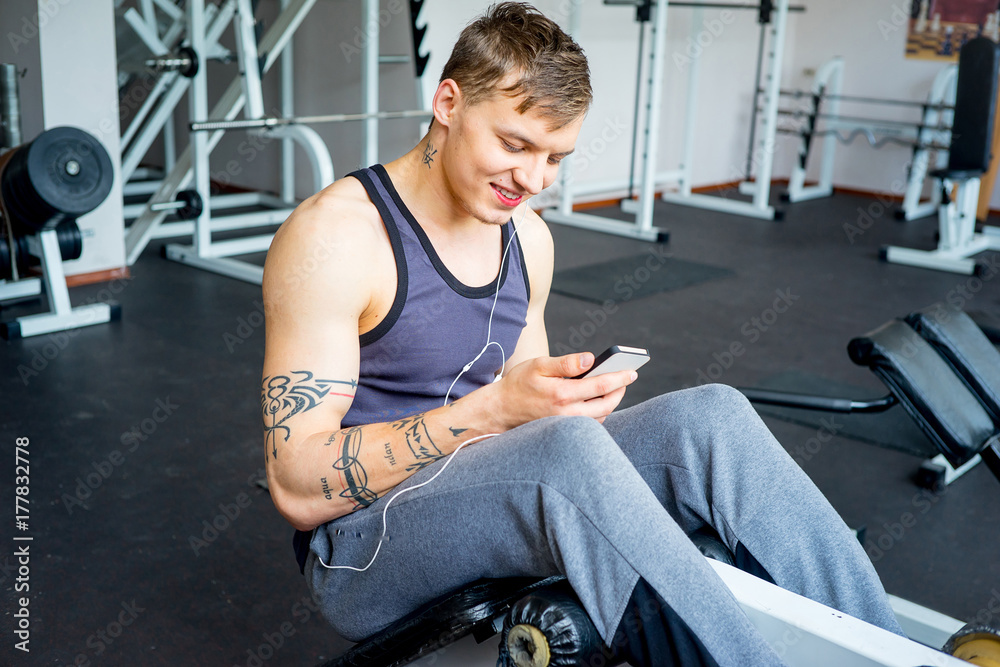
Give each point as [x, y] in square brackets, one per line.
[720, 397]
[572, 439]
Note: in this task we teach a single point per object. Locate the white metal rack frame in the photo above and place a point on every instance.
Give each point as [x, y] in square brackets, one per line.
[958, 240]
[244, 93]
[205, 252]
[680, 178]
[271, 46]
[61, 316]
[929, 137]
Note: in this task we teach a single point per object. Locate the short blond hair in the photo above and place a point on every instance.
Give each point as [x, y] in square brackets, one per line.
[514, 37]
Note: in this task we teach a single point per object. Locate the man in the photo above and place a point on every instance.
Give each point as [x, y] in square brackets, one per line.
[398, 290]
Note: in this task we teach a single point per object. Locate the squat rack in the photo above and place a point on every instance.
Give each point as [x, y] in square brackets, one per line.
[770, 12]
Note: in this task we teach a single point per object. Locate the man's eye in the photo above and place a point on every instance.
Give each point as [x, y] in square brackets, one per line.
[509, 148]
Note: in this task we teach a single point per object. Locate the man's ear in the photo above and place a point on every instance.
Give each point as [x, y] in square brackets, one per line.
[447, 99]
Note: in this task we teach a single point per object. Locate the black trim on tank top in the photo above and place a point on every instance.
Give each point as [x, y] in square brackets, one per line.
[402, 277]
[524, 267]
[458, 286]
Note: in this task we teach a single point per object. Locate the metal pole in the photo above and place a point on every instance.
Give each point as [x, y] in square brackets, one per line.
[772, 87]
[246, 51]
[691, 114]
[635, 113]
[644, 222]
[10, 108]
[287, 110]
[198, 105]
[568, 168]
[753, 111]
[261, 123]
[369, 79]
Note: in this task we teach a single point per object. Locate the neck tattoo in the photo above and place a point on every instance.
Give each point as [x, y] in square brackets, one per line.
[429, 153]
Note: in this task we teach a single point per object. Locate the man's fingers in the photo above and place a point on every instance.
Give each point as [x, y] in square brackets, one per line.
[567, 366]
[591, 389]
[602, 406]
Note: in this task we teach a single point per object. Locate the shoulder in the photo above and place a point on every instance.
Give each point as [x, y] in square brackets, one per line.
[539, 254]
[327, 237]
[340, 214]
[535, 239]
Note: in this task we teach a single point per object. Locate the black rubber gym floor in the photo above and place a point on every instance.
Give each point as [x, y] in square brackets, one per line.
[152, 543]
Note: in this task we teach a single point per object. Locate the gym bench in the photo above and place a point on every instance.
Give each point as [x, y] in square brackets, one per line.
[944, 371]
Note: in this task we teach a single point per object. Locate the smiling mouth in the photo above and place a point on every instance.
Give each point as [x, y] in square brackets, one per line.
[506, 196]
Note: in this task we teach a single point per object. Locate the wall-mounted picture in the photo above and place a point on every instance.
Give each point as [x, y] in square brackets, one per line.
[939, 28]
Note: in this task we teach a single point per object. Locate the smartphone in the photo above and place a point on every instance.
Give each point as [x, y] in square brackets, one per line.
[617, 358]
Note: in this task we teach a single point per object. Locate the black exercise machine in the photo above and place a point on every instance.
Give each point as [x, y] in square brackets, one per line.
[540, 621]
[944, 371]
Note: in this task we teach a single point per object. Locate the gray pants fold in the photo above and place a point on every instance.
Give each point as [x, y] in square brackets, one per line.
[605, 505]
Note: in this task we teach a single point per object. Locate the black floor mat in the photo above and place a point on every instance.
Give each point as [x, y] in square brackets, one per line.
[892, 429]
[633, 277]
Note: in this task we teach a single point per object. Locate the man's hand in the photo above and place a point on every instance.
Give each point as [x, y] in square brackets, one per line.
[543, 387]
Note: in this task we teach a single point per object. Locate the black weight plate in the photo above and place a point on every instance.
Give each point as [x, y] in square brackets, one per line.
[74, 194]
[70, 240]
[5, 271]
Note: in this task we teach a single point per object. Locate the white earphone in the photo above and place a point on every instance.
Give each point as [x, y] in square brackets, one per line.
[465, 369]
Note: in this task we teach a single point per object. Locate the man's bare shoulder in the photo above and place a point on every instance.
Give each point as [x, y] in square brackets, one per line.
[535, 237]
[334, 238]
[341, 214]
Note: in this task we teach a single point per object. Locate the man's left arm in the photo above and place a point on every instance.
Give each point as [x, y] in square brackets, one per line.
[536, 244]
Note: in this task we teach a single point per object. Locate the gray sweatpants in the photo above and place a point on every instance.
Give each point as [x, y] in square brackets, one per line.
[605, 505]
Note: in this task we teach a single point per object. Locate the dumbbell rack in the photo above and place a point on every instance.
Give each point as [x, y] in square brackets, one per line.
[62, 315]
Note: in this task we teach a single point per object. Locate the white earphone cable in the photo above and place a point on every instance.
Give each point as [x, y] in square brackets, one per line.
[468, 366]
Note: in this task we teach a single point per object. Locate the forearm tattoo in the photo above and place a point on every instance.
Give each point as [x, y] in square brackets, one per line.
[282, 397]
[353, 477]
[419, 440]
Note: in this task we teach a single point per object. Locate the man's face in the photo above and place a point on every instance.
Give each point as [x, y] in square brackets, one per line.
[497, 157]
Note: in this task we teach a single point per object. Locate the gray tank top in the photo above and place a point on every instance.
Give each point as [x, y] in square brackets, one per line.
[436, 324]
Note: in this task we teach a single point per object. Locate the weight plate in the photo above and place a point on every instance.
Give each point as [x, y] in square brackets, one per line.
[70, 170]
[5, 271]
